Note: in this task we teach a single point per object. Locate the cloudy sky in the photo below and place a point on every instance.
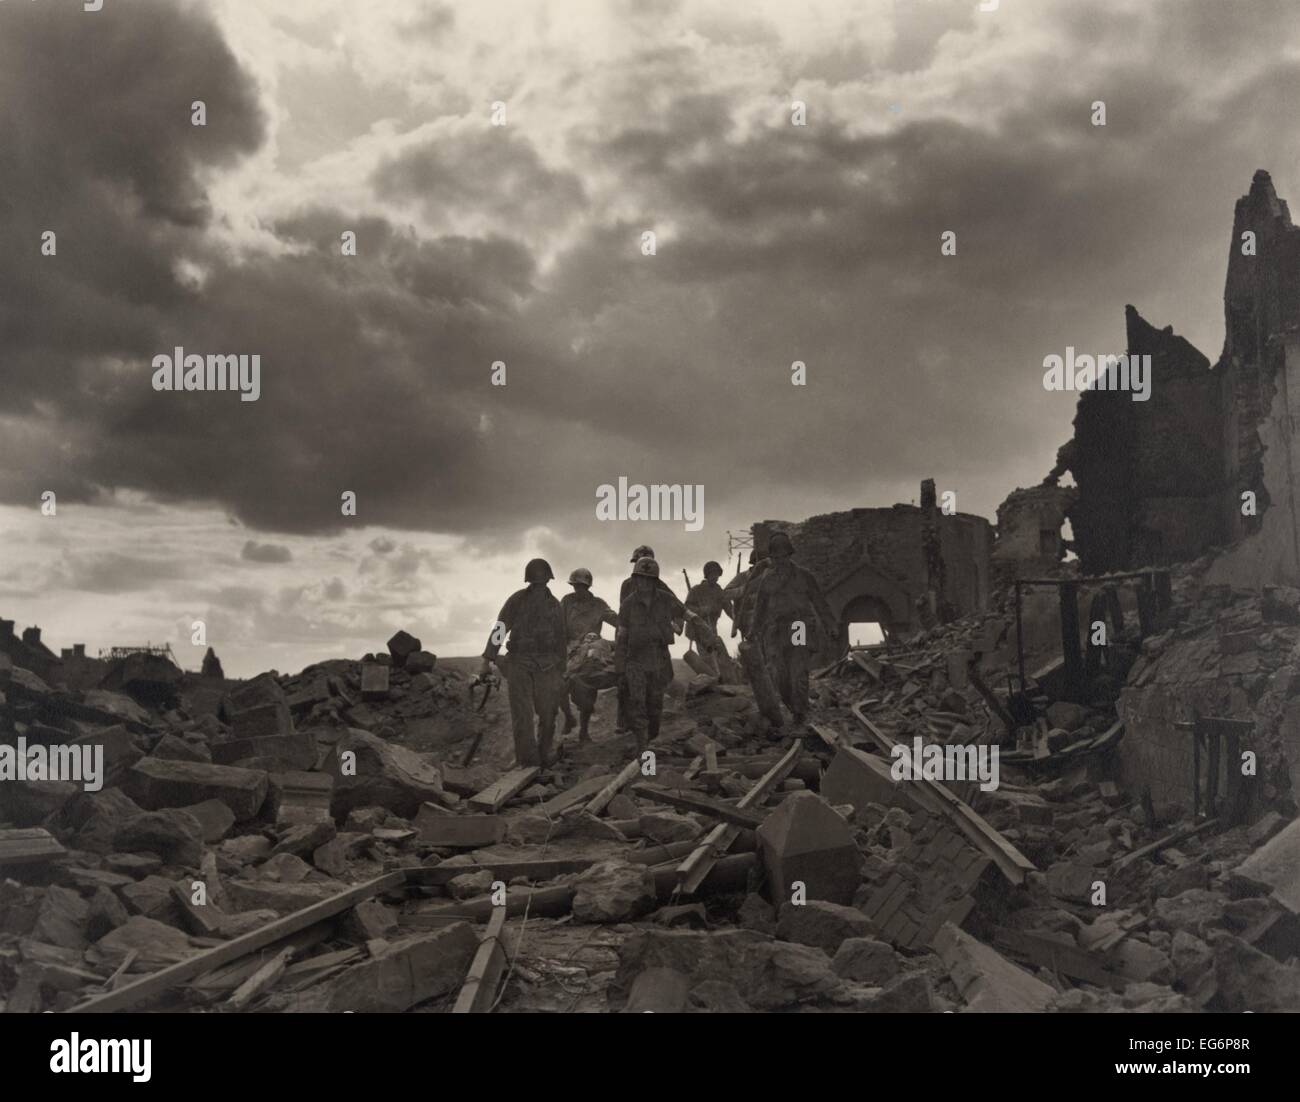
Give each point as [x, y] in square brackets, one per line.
[522, 243]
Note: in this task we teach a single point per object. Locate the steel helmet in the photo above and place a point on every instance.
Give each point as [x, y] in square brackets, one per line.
[643, 553]
[780, 544]
[538, 570]
[713, 567]
[646, 565]
[581, 576]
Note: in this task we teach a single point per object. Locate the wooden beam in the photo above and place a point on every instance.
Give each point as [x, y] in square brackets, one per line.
[479, 991]
[503, 790]
[692, 802]
[157, 982]
[695, 868]
[259, 981]
[583, 790]
[1164, 843]
[934, 797]
[602, 798]
[504, 870]
[1068, 960]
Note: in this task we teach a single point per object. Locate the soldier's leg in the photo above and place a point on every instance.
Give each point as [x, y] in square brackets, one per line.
[620, 725]
[519, 684]
[547, 687]
[564, 706]
[760, 680]
[584, 697]
[637, 695]
[798, 664]
[656, 684]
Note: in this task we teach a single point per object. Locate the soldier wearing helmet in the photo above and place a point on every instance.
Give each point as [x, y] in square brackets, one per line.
[625, 591]
[583, 614]
[534, 663]
[645, 631]
[789, 609]
[707, 600]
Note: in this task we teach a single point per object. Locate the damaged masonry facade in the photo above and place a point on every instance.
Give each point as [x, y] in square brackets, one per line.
[357, 836]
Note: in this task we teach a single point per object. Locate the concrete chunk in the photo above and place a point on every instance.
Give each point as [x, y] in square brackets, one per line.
[987, 980]
[400, 646]
[407, 972]
[805, 840]
[858, 778]
[1276, 865]
[374, 681]
[154, 784]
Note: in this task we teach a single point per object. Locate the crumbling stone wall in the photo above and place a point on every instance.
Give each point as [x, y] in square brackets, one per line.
[1233, 655]
[1029, 539]
[1149, 474]
[1162, 481]
[880, 554]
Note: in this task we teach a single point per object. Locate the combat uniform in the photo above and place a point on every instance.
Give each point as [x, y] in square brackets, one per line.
[583, 613]
[645, 631]
[534, 669]
[678, 618]
[784, 594]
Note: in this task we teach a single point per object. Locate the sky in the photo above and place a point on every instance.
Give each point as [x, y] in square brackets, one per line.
[522, 244]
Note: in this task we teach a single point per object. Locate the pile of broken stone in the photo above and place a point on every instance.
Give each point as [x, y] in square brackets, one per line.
[837, 890]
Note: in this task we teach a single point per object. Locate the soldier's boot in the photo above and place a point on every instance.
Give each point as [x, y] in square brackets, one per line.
[652, 730]
[584, 718]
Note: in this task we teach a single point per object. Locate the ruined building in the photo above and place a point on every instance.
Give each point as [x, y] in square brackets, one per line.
[874, 567]
[1208, 461]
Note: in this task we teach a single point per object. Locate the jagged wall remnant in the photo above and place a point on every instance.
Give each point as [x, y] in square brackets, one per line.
[1162, 481]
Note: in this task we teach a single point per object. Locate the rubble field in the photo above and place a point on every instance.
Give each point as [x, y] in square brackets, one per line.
[355, 837]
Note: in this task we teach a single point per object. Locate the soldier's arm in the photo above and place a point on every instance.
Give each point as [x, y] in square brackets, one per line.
[620, 640]
[505, 618]
[608, 615]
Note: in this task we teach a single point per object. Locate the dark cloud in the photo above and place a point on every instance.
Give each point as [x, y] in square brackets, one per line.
[265, 552]
[778, 243]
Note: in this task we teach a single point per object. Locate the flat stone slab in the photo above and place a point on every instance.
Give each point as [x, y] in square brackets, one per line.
[155, 783]
[1276, 864]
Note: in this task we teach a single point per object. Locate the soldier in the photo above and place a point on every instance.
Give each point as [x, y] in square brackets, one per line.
[583, 613]
[708, 599]
[788, 603]
[534, 665]
[679, 615]
[645, 631]
[750, 650]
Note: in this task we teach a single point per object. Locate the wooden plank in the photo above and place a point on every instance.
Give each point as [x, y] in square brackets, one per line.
[479, 991]
[264, 978]
[602, 798]
[504, 869]
[506, 788]
[157, 982]
[703, 804]
[583, 790]
[1164, 843]
[28, 846]
[468, 831]
[695, 868]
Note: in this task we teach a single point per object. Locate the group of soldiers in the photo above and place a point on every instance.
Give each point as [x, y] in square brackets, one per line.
[776, 606]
